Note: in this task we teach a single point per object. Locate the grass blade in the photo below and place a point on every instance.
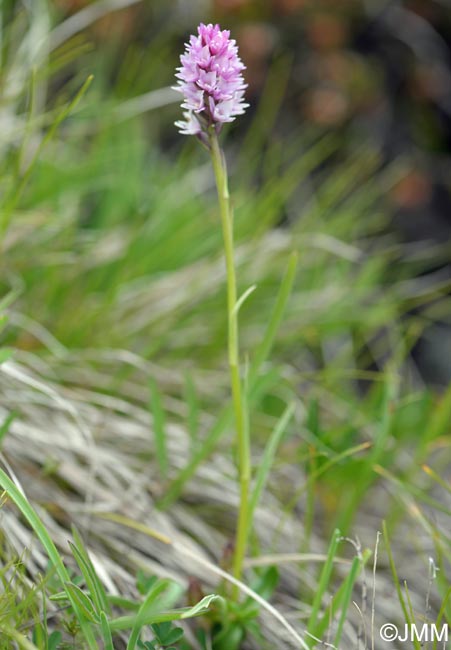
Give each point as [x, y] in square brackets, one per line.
[441, 613]
[30, 515]
[402, 602]
[280, 305]
[323, 582]
[339, 599]
[106, 632]
[93, 583]
[348, 586]
[268, 458]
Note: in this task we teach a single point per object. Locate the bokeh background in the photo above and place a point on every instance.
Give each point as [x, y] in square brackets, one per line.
[375, 75]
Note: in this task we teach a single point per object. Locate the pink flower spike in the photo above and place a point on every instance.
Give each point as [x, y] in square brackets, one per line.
[211, 81]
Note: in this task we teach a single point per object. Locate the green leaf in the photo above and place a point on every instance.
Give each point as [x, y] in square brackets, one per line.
[347, 594]
[280, 305]
[268, 459]
[151, 617]
[93, 582]
[61, 596]
[341, 598]
[83, 601]
[146, 645]
[39, 636]
[230, 637]
[242, 299]
[323, 583]
[147, 608]
[175, 634]
[253, 627]
[144, 582]
[201, 607]
[106, 632]
[161, 630]
[267, 582]
[54, 640]
[264, 586]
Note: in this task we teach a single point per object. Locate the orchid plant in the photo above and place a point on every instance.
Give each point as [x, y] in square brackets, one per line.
[211, 81]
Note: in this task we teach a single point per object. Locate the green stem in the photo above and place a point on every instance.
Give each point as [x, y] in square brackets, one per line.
[242, 434]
